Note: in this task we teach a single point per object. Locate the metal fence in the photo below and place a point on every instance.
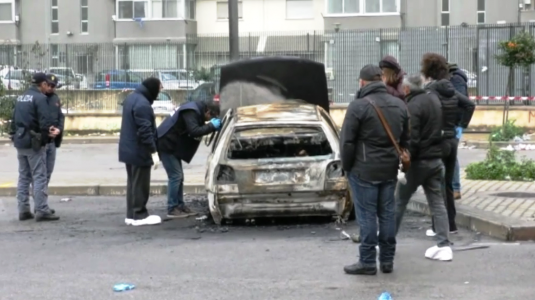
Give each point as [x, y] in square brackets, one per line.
[343, 52]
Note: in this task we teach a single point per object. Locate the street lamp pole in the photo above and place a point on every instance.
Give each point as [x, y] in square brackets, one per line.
[233, 36]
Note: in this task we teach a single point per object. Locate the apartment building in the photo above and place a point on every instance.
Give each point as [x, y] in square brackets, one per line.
[95, 35]
[141, 21]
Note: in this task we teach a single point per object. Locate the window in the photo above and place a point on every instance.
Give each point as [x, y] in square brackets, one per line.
[363, 6]
[7, 10]
[84, 16]
[222, 10]
[445, 13]
[156, 9]
[190, 9]
[134, 9]
[299, 9]
[165, 9]
[54, 18]
[481, 11]
[54, 55]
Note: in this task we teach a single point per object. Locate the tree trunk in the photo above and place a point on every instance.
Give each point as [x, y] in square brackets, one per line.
[507, 94]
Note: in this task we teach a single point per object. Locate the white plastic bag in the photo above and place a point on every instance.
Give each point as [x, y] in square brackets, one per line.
[156, 160]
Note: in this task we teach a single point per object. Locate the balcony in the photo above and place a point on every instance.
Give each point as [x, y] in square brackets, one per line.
[156, 31]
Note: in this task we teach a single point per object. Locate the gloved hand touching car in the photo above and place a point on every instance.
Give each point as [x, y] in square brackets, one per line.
[216, 122]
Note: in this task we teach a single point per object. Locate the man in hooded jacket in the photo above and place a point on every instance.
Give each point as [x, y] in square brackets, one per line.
[457, 110]
[137, 143]
[179, 137]
[460, 82]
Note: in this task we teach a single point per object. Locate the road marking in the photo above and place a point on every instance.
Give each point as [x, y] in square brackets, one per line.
[7, 184]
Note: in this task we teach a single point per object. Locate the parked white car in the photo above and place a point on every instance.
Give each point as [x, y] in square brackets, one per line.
[276, 158]
[14, 78]
[172, 79]
[163, 104]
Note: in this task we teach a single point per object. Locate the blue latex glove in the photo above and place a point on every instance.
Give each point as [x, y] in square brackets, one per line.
[216, 122]
[459, 133]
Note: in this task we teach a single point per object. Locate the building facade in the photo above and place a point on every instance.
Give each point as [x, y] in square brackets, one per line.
[91, 36]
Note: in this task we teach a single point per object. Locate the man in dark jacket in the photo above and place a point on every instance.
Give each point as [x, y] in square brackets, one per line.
[460, 82]
[427, 169]
[371, 164]
[57, 119]
[137, 143]
[457, 110]
[179, 137]
[30, 131]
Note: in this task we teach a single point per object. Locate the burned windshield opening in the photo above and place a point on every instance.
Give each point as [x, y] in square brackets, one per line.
[278, 142]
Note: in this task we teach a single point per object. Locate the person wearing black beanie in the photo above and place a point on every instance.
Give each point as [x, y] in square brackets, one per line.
[137, 143]
[153, 86]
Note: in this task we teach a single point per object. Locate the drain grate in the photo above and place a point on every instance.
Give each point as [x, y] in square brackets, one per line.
[515, 195]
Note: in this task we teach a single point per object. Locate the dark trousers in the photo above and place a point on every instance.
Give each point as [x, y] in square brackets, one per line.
[137, 191]
[449, 158]
[375, 200]
[430, 175]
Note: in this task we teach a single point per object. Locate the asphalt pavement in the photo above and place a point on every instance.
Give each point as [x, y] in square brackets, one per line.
[90, 249]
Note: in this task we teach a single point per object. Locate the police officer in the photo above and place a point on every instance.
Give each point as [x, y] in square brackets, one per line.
[30, 131]
[57, 120]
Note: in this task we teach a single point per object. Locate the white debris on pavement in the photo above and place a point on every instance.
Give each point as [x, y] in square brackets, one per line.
[201, 218]
[65, 199]
[519, 147]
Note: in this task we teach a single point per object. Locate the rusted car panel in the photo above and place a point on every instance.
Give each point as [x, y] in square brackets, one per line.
[275, 160]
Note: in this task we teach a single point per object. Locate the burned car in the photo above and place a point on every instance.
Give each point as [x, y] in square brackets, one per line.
[277, 153]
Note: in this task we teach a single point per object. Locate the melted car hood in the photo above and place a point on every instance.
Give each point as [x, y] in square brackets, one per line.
[295, 78]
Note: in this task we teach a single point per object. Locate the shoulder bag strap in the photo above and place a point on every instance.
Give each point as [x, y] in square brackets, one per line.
[385, 125]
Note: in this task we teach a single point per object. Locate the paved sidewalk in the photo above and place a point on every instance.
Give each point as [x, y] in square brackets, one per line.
[502, 209]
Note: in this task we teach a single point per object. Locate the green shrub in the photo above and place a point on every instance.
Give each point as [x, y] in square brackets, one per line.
[506, 132]
[501, 165]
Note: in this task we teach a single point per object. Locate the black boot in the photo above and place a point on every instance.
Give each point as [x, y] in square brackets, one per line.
[25, 216]
[359, 269]
[387, 268]
[45, 216]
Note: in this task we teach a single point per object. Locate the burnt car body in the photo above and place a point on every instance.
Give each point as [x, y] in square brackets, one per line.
[280, 156]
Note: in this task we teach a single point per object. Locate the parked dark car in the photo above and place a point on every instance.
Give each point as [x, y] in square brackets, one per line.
[204, 92]
[117, 80]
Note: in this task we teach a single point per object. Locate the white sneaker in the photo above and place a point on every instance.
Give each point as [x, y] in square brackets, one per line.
[128, 221]
[150, 220]
[439, 253]
[430, 232]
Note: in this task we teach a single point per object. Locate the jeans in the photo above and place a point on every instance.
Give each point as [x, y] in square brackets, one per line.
[32, 171]
[375, 200]
[50, 160]
[456, 184]
[175, 185]
[457, 174]
[430, 175]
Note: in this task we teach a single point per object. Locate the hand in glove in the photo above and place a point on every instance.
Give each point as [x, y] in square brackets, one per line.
[216, 122]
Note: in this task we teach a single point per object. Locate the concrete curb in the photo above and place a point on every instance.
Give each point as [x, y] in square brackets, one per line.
[103, 190]
[88, 140]
[490, 224]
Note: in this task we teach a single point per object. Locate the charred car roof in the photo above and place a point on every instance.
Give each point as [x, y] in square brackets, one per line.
[278, 112]
[297, 78]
